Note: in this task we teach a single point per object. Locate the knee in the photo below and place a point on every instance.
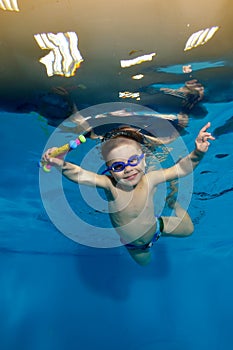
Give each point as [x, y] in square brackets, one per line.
[141, 258]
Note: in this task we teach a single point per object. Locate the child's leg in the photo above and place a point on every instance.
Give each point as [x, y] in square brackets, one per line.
[177, 226]
[142, 257]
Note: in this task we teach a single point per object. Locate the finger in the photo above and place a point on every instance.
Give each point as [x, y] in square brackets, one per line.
[56, 161]
[205, 127]
[45, 157]
[203, 136]
[205, 133]
[52, 161]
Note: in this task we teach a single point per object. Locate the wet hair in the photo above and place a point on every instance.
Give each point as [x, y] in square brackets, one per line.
[125, 131]
[115, 137]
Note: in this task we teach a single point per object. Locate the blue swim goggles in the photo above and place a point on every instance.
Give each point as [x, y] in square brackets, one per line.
[116, 167]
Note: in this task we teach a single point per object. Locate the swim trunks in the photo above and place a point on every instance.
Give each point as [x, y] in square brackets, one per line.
[158, 232]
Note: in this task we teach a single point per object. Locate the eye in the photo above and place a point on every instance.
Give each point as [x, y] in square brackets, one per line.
[117, 166]
[133, 159]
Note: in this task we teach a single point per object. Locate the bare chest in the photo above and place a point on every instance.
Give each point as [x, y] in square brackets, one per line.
[129, 205]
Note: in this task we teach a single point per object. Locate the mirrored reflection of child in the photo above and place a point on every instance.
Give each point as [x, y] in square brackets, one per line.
[187, 96]
[130, 190]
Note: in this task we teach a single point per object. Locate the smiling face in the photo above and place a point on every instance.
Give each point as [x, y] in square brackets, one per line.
[120, 150]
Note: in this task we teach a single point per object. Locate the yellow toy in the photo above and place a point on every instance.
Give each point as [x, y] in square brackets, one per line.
[62, 150]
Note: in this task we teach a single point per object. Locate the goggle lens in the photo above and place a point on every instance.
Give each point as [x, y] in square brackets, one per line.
[120, 166]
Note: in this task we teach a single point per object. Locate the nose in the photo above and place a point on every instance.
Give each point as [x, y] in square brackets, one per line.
[127, 169]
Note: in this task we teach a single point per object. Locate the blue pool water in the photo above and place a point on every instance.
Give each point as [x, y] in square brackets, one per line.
[57, 294]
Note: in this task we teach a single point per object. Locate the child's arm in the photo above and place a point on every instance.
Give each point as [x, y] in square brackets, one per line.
[75, 173]
[187, 164]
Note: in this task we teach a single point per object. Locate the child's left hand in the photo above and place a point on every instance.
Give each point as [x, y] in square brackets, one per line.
[202, 143]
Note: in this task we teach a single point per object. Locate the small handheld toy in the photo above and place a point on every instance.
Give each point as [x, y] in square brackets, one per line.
[61, 151]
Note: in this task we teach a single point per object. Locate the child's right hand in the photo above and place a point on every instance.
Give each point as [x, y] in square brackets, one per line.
[202, 140]
[53, 161]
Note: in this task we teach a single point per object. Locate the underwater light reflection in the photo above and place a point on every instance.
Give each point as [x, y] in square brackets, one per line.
[200, 38]
[128, 94]
[9, 5]
[64, 57]
[137, 60]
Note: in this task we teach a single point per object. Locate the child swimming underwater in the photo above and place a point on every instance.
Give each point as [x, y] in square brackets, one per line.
[130, 191]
